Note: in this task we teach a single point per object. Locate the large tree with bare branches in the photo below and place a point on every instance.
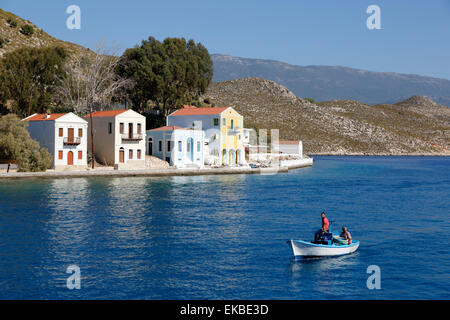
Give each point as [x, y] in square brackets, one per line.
[90, 83]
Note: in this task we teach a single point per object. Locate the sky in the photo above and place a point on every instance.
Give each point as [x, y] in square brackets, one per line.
[414, 35]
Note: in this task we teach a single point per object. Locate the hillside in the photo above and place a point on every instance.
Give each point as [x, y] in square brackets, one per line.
[12, 38]
[324, 83]
[417, 125]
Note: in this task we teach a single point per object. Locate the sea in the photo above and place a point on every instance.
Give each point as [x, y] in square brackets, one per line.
[225, 236]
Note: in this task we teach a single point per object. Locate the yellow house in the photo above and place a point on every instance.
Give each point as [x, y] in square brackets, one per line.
[223, 128]
[231, 130]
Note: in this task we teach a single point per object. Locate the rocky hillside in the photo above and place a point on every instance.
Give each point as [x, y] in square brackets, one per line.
[13, 36]
[416, 125]
[326, 83]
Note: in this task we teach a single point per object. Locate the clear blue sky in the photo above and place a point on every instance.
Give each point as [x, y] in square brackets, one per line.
[415, 35]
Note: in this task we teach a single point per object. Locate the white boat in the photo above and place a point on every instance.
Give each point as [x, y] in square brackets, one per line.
[307, 249]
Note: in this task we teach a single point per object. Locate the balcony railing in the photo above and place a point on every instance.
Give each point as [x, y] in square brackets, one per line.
[235, 130]
[132, 137]
[72, 141]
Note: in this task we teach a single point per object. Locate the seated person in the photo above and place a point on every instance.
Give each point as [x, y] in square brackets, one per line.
[325, 227]
[346, 235]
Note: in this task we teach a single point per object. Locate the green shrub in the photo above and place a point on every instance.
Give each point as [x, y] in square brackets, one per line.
[27, 30]
[310, 100]
[17, 145]
[12, 23]
[60, 109]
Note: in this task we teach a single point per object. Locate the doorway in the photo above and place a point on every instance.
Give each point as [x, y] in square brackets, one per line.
[121, 155]
[130, 131]
[150, 146]
[70, 158]
[70, 133]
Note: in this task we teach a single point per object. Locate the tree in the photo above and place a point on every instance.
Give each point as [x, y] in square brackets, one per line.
[28, 77]
[12, 23]
[169, 73]
[27, 30]
[17, 145]
[90, 82]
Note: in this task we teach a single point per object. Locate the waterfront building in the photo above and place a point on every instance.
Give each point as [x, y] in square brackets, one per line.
[289, 147]
[180, 147]
[65, 137]
[119, 138]
[223, 131]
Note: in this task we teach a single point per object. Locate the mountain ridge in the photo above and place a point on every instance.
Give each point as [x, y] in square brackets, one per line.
[326, 83]
[416, 126]
[12, 38]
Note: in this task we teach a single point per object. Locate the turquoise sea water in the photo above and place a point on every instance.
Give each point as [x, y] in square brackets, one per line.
[224, 237]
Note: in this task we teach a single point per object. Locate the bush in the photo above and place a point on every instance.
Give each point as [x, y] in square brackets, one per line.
[17, 145]
[27, 30]
[12, 22]
[60, 109]
[310, 100]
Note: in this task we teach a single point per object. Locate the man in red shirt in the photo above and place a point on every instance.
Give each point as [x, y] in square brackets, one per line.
[325, 227]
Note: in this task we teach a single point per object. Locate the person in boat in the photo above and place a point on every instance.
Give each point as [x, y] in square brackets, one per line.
[346, 235]
[325, 227]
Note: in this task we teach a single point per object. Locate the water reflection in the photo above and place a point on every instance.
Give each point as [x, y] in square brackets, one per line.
[327, 275]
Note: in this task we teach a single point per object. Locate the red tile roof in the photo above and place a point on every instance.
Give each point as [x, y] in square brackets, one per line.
[167, 128]
[194, 111]
[288, 142]
[106, 113]
[43, 117]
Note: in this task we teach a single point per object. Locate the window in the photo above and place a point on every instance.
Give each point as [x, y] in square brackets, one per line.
[60, 132]
[60, 155]
[224, 122]
[121, 127]
[198, 146]
[232, 124]
[180, 146]
[139, 154]
[168, 146]
[110, 127]
[80, 132]
[160, 146]
[216, 122]
[80, 155]
[139, 126]
[130, 154]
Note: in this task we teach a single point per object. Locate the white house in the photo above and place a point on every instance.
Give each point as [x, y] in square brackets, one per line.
[119, 138]
[290, 147]
[178, 146]
[64, 135]
[223, 131]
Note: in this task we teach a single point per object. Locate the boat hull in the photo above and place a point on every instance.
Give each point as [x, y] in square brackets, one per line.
[307, 249]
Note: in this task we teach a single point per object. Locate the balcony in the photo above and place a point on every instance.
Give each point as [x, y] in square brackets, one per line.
[72, 141]
[132, 137]
[234, 131]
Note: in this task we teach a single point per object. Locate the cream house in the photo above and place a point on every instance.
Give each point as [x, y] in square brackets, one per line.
[65, 137]
[119, 138]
